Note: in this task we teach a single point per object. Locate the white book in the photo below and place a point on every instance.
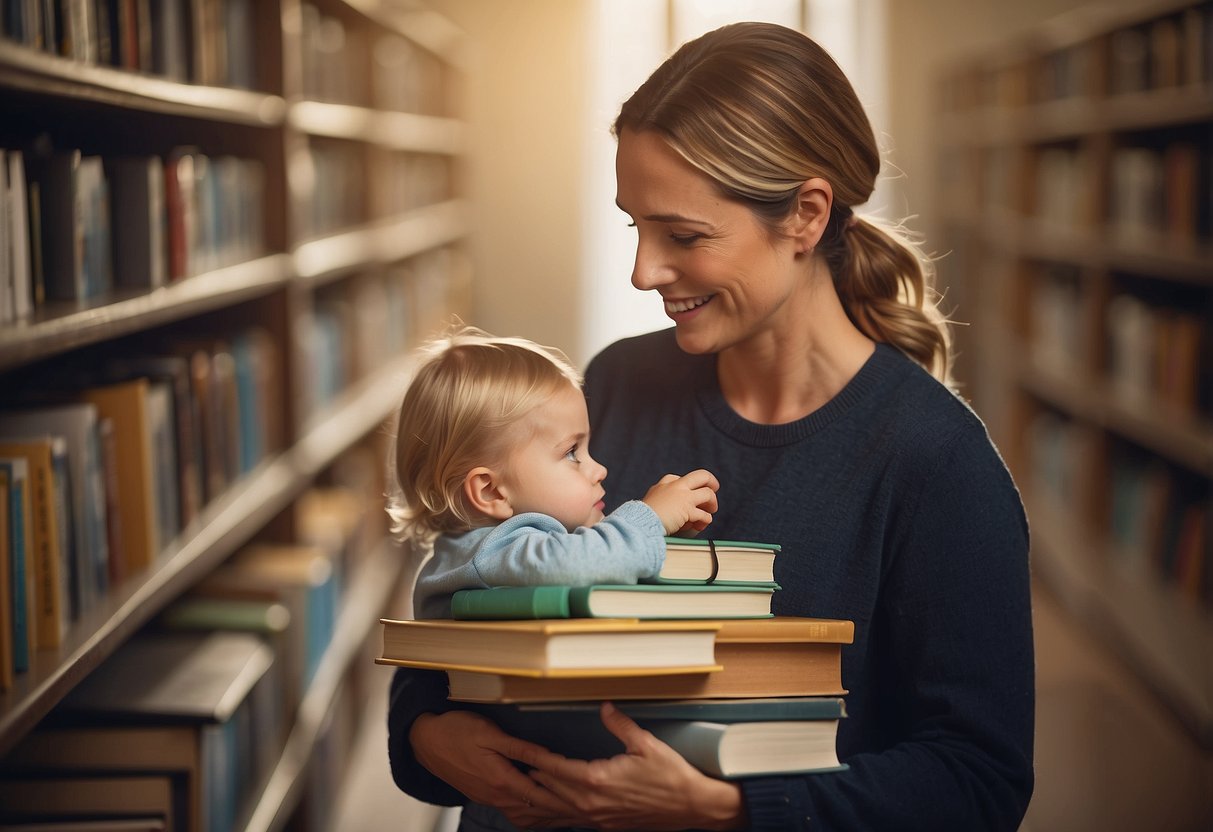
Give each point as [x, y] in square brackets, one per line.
[8, 310]
[23, 290]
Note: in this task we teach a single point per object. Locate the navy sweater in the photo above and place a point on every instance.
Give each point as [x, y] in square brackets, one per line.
[894, 511]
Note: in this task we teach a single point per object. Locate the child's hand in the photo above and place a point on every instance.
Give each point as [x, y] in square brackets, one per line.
[684, 504]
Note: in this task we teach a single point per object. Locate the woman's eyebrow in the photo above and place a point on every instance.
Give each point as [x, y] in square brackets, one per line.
[663, 217]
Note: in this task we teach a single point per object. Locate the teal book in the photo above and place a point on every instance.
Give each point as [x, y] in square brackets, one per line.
[755, 709]
[19, 579]
[765, 746]
[691, 560]
[647, 601]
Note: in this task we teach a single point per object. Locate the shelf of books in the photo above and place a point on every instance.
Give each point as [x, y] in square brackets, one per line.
[223, 227]
[1075, 173]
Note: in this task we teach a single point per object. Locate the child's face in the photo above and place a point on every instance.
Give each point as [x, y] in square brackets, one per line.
[552, 471]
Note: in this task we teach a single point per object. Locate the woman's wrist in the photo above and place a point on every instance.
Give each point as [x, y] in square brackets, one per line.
[723, 807]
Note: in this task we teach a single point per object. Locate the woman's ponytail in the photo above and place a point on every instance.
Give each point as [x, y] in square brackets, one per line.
[885, 285]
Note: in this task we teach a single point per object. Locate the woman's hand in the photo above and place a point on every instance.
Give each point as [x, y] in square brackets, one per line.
[472, 754]
[649, 786]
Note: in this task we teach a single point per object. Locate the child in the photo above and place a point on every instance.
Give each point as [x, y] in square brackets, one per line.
[494, 474]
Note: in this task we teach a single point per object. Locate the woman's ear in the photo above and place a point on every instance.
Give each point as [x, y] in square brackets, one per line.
[483, 493]
[808, 223]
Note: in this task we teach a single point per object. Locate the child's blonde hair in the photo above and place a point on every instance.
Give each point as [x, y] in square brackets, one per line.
[469, 392]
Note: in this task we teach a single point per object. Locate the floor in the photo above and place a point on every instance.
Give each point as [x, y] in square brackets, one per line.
[1108, 758]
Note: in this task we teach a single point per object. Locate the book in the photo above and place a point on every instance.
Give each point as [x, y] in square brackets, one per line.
[140, 221]
[676, 601]
[7, 661]
[765, 657]
[753, 749]
[752, 709]
[552, 648]
[773, 742]
[50, 561]
[21, 582]
[145, 823]
[718, 562]
[126, 405]
[23, 300]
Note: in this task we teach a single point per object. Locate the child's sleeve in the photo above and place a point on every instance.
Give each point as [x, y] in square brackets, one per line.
[536, 550]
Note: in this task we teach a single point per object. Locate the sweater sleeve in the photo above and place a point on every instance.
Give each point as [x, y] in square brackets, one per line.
[957, 637]
[625, 546]
[413, 693]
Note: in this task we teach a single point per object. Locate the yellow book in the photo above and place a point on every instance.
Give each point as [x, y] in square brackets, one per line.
[51, 568]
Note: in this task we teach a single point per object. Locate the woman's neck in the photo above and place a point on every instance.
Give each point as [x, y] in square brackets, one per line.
[799, 363]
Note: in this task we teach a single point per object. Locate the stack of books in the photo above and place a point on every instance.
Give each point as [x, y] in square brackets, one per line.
[695, 656]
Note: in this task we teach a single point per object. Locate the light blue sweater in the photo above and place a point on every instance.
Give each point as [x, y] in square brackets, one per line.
[535, 550]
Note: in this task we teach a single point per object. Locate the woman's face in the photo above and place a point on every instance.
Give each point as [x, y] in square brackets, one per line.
[724, 278]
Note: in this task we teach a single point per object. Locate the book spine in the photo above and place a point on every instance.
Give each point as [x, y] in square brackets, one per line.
[18, 579]
[513, 602]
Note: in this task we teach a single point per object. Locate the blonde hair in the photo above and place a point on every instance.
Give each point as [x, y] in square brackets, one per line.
[468, 394]
[760, 109]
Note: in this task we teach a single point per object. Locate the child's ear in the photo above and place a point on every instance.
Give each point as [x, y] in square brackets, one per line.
[481, 489]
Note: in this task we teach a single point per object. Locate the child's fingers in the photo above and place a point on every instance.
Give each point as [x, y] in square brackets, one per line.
[706, 499]
[700, 478]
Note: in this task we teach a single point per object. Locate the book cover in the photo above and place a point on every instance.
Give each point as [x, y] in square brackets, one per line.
[23, 299]
[6, 612]
[140, 247]
[737, 748]
[674, 601]
[753, 749]
[691, 560]
[751, 709]
[51, 569]
[126, 405]
[569, 647]
[22, 622]
[60, 223]
[779, 656]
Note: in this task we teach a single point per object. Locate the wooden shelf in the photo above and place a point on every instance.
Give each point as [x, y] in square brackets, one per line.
[382, 242]
[371, 591]
[1182, 437]
[58, 328]
[393, 131]
[50, 75]
[1165, 636]
[1079, 117]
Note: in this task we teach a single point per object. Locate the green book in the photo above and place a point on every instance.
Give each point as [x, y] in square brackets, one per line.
[649, 601]
[692, 560]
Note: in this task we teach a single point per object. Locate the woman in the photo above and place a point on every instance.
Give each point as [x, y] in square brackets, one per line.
[800, 371]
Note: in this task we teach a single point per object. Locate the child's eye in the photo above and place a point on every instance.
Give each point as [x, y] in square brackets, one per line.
[571, 454]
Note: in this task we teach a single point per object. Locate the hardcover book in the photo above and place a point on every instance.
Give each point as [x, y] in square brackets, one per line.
[780, 656]
[718, 562]
[650, 601]
[552, 648]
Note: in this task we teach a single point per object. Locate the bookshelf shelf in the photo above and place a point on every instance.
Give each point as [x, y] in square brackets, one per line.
[58, 328]
[48, 75]
[393, 131]
[371, 591]
[385, 241]
[1075, 170]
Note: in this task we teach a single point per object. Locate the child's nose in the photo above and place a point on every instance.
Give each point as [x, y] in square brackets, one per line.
[598, 472]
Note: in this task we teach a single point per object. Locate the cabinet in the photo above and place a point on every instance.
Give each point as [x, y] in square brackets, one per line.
[302, 161]
[1075, 173]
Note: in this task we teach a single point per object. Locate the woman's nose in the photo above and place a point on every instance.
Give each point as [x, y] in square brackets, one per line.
[649, 271]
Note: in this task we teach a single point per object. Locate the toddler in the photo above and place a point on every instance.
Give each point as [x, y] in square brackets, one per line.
[493, 473]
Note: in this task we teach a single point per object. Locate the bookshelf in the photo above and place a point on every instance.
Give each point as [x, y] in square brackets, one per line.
[322, 239]
[1074, 173]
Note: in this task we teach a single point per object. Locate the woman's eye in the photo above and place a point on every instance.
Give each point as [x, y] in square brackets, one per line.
[685, 239]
